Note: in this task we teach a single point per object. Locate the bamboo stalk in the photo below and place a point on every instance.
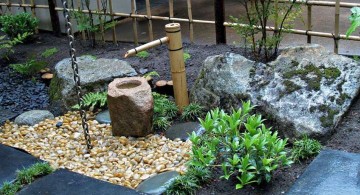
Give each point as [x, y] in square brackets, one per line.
[148, 16]
[134, 20]
[112, 20]
[22, 3]
[100, 20]
[34, 14]
[177, 64]
[191, 26]
[79, 6]
[171, 8]
[146, 46]
[309, 25]
[337, 19]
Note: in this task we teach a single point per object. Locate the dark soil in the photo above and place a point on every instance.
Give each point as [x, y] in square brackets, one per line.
[20, 94]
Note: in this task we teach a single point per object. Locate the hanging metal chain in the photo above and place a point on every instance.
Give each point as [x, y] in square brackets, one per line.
[75, 68]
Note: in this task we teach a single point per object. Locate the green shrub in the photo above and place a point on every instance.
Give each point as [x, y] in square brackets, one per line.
[187, 56]
[49, 52]
[241, 144]
[6, 45]
[143, 54]
[13, 25]
[93, 100]
[305, 148]
[29, 68]
[164, 111]
[192, 112]
[354, 19]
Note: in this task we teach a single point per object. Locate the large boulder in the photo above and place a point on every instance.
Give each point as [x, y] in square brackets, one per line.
[306, 90]
[95, 75]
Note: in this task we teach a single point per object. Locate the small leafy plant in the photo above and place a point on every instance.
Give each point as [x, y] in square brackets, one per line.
[29, 68]
[19, 24]
[49, 52]
[143, 54]
[305, 148]
[151, 74]
[6, 45]
[93, 100]
[192, 112]
[187, 56]
[164, 111]
[354, 19]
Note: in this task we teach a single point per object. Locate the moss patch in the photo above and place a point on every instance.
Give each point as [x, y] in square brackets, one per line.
[54, 89]
[332, 73]
[342, 98]
[328, 121]
[289, 88]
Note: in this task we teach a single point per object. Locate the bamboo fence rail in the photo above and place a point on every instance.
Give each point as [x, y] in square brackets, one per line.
[134, 16]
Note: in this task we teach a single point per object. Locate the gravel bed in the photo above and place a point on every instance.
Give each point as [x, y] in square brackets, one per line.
[119, 160]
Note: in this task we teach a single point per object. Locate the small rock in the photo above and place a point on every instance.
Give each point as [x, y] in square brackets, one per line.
[33, 117]
[77, 135]
[103, 117]
[59, 124]
[183, 130]
[143, 70]
[158, 183]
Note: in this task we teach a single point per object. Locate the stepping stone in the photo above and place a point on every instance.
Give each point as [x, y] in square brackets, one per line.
[183, 130]
[157, 184]
[12, 160]
[103, 117]
[66, 182]
[332, 172]
[6, 115]
[33, 117]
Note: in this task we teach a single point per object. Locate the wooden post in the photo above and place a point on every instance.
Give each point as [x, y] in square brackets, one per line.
[219, 21]
[34, 14]
[133, 11]
[148, 13]
[178, 74]
[54, 18]
[337, 19]
[112, 20]
[191, 25]
[309, 25]
[171, 8]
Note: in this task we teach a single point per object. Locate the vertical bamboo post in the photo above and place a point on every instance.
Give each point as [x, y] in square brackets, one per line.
[80, 7]
[112, 20]
[101, 21]
[34, 14]
[219, 10]
[134, 20]
[171, 8]
[191, 25]
[309, 19]
[337, 19]
[55, 22]
[178, 74]
[148, 13]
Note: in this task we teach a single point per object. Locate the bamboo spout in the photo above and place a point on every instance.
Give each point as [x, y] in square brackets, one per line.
[146, 46]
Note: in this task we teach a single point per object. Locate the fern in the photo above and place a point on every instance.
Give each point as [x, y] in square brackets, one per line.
[7, 45]
[92, 100]
[49, 52]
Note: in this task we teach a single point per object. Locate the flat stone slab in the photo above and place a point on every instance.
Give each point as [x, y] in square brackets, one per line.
[66, 182]
[332, 172]
[157, 184]
[12, 160]
[103, 117]
[6, 115]
[183, 130]
[33, 117]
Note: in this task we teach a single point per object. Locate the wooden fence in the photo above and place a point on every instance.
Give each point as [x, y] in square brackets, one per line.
[336, 36]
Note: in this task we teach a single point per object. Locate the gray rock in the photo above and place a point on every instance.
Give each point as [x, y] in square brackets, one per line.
[306, 90]
[157, 184]
[332, 172]
[95, 75]
[33, 117]
[183, 130]
[103, 117]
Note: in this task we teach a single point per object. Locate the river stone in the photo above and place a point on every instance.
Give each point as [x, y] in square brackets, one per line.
[103, 117]
[332, 172]
[95, 75]
[33, 117]
[306, 90]
[184, 130]
[157, 184]
[131, 107]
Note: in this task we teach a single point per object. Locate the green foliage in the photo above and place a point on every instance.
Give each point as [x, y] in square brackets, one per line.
[90, 56]
[354, 18]
[164, 111]
[29, 68]
[93, 100]
[26, 176]
[305, 148]
[19, 24]
[192, 112]
[49, 52]
[187, 56]
[6, 45]
[243, 146]
[143, 54]
[258, 14]
[151, 74]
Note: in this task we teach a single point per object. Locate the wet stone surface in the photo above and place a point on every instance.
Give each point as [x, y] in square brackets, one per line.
[158, 184]
[103, 117]
[183, 130]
